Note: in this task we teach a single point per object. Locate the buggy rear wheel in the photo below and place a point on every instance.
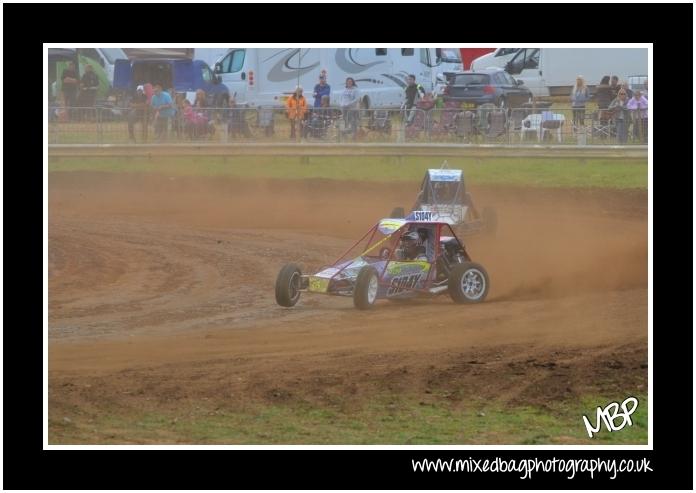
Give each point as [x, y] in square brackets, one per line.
[468, 283]
[366, 286]
[287, 288]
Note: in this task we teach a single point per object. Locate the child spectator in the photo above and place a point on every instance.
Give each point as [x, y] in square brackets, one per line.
[195, 122]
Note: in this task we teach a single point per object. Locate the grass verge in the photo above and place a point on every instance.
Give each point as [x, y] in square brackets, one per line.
[570, 173]
[383, 420]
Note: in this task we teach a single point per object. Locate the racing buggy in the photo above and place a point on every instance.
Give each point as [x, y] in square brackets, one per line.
[444, 197]
[397, 259]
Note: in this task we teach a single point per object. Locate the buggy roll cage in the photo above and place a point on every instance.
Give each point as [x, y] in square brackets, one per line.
[428, 191]
[439, 226]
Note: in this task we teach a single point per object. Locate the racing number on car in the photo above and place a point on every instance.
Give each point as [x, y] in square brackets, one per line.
[401, 283]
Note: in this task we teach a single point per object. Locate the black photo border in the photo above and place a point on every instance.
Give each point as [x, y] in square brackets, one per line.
[27, 26]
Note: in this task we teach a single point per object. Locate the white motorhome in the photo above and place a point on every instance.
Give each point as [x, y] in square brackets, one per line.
[209, 55]
[552, 71]
[499, 58]
[267, 76]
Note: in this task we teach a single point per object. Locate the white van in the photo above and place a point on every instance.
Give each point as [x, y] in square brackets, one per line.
[499, 58]
[552, 71]
[267, 76]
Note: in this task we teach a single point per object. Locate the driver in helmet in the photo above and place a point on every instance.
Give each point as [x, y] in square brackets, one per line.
[410, 247]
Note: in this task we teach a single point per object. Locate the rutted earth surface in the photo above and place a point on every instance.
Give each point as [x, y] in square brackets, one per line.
[161, 295]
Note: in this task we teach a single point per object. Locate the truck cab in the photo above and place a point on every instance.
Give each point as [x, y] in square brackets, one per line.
[183, 75]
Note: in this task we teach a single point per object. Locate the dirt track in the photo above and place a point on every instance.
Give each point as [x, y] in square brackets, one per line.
[161, 290]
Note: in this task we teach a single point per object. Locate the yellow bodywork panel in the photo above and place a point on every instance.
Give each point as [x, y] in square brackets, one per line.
[318, 284]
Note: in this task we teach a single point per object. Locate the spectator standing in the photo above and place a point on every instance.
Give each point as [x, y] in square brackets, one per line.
[603, 93]
[138, 113]
[621, 115]
[163, 106]
[350, 101]
[201, 100]
[624, 85]
[201, 105]
[236, 122]
[603, 96]
[88, 87]
[70, 82]
[638, 105]
[412, 92]
[149, 91]
[615, 86]
[296, 106]
[320, 90]
[579, 97]
[178, 118]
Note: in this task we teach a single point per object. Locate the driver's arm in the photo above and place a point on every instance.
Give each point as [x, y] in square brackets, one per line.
[398, 253]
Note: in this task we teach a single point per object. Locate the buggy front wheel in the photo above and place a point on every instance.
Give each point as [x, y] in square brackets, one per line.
[366, 286]
[468, 283]
[287, 287]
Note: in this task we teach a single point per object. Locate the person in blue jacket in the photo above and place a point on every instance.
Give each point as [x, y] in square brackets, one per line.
[321, 89]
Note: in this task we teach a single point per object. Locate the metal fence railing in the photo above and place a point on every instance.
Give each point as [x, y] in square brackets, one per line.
[453, 124]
